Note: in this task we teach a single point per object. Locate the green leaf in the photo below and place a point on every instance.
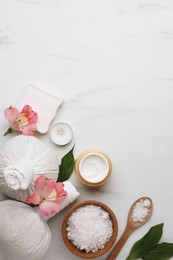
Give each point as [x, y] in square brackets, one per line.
[9, 130]
[66, 166]
[146, 243]
[160, 252]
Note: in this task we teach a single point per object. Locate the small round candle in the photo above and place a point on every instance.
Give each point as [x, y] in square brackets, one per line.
[61, 133]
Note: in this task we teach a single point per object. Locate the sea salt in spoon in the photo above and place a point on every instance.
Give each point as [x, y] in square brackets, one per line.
[130, 227]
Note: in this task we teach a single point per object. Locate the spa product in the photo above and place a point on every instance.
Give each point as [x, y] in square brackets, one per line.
[73, 194]
[45, 104]
[141, 210]
[22, 160]
[24, 233]
[93, 167]
[61, 133]
[89, 228]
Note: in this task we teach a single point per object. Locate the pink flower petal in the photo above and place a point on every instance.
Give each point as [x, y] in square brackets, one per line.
[29, 129]
[61, 193]
[11, 114]
[26, 109]
[30, 114]
[33, 118]
[59, 186]
[44, 186]
[33, 199]
[47, 208]
[24, 121]
[39, 183]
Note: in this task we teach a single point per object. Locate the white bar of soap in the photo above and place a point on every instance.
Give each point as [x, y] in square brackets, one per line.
[45, 104]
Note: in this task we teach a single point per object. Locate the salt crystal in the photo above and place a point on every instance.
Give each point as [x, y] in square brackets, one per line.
[89, 228]
[141, 210]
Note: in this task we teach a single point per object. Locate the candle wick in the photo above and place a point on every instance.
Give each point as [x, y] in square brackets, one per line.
[60, 132]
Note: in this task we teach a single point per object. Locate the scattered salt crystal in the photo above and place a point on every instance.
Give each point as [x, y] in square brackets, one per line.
[146, 203]
[141, 210]
[89, 228]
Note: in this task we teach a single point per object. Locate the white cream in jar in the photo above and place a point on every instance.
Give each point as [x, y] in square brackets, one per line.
[94, 167]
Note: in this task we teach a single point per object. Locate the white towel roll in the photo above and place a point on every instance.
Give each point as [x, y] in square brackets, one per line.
[72, 196]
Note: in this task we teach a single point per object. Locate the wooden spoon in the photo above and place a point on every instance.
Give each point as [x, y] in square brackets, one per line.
[130, 227]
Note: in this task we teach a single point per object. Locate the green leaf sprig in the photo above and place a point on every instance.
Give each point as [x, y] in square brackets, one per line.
[66, 167]
[160, 252]
[146, 243]
[147, 248]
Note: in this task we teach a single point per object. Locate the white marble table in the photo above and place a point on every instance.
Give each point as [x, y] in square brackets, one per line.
[112, 63]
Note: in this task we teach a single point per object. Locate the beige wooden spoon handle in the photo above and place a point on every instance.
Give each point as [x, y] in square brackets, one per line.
[117, 248]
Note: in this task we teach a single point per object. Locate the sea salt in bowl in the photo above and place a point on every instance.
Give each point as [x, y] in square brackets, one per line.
[93, 167]
[89, 229]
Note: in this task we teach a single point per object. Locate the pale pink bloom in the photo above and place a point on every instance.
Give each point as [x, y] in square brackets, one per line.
[24, 121]
[47, 195]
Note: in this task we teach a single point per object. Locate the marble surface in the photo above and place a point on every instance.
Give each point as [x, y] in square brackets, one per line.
[112, 63]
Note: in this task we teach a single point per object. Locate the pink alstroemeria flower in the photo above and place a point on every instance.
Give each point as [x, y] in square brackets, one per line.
[47, 195]
[24, 121]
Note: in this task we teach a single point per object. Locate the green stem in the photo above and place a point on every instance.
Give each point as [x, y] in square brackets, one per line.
[10, 129]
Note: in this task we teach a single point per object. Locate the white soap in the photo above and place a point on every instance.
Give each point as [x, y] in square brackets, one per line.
[45, 104]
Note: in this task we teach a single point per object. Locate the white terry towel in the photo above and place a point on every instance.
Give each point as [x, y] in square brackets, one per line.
[73, 194]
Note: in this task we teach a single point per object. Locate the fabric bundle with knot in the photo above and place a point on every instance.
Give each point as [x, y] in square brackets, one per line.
[22, 160]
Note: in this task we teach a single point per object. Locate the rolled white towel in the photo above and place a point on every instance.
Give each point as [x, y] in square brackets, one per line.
[73, 194]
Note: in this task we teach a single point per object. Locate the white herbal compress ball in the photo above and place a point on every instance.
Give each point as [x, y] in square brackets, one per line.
[24, 232]
[22, 160]
[24, 235]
